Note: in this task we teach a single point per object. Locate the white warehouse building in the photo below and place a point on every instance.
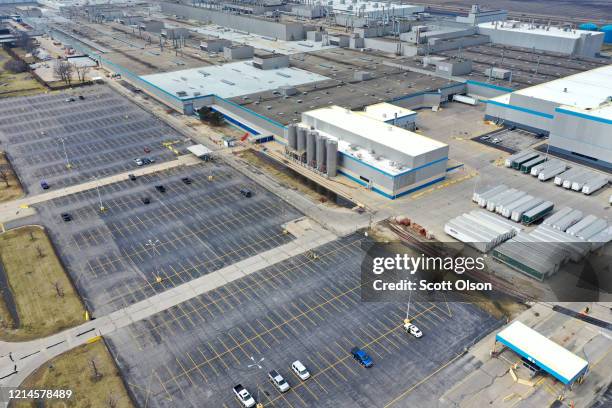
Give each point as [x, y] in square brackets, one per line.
[543, 37]
[387, 159]
[575, 111]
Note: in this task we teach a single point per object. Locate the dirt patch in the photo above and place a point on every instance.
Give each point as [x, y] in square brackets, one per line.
[89, 371]
[288, 179]
[43, 297]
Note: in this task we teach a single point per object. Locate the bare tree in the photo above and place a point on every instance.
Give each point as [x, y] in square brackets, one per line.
[63, 70]
[112, 401]
[4, 176]
[81, 72]
[96, 374]
[58, 289]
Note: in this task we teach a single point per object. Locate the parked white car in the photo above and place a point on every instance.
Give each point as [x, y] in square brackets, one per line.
[413, 330]
[300, 370]
[244, 396]
[278, 381]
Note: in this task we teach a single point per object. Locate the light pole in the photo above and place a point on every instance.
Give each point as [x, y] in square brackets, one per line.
[102, 208]
[68, 165]
[407, 320]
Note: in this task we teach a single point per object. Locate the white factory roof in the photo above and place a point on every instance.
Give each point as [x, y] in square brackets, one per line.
[556, 359]
[370, 6]
[260, 42]
[230, 80]
[604, 112]
[584, 92]
[396, 138]
[385, 111]
[552, 31]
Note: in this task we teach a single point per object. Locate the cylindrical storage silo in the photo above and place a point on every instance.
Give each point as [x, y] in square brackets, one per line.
[292, 136]
[311, 148]
[321, 155]
[332, 157]
[607, 30]
[301, 138]
[588, 27]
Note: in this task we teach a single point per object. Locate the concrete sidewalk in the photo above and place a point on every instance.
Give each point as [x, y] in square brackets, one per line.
[15, 209]
[30, 355]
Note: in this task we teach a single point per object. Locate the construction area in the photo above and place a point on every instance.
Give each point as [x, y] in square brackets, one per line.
[203, 208]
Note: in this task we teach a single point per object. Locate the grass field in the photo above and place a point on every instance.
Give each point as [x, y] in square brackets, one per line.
[45, 299]
[16, 84]
[11, 188]
[74, 370]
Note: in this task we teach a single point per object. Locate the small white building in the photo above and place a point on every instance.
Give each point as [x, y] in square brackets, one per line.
[392, 114]
[215, 44]
[238, 51]
[271, 61]
[200, 151]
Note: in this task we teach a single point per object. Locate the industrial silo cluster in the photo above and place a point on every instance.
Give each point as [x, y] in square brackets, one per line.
[313, 149]
[607, 30]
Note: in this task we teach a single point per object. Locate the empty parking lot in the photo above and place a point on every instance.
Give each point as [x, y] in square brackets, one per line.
[133, 250]
[305, 308]
[64, 140]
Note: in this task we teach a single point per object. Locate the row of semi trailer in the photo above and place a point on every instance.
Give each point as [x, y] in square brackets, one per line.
[512, 203]
[538, 165]
[565, 235]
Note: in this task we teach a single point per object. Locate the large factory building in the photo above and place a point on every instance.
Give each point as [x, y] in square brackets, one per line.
[387, 159]
[563, 40]
[576, 111]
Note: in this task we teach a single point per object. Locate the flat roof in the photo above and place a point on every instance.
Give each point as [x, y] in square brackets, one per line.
[199, 150]
[586, 90]
[370, 6]
[604, 112]
[262, 42]
[230, 80]
[552, 31]
[550, 356]
[393, 137]
[386, 111]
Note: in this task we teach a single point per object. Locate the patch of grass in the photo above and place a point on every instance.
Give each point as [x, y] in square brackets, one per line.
[10, 187]
[99, 387]
[46, 302]
[21, 84]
